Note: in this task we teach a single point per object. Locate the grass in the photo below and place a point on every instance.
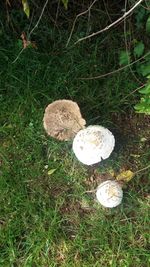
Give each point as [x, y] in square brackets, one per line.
[50, 220]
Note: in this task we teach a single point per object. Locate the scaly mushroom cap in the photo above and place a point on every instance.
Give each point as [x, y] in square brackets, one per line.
[109, 194]
[62, 119]
[93, 144]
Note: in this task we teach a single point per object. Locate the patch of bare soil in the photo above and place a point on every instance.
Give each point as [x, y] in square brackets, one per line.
[132, 124]
[134, 132]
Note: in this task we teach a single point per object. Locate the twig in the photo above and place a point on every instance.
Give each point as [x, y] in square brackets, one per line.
[115, 71]
[111, 25]
[79, 15]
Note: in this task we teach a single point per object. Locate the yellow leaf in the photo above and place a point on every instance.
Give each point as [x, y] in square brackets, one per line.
[51, 171]
[125, 176]
[26, 8]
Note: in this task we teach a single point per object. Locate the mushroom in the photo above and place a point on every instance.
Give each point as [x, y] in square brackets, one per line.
[62, 119]
[93, 144]
[109, 194]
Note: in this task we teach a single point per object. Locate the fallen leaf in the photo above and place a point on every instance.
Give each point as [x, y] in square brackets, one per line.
[51, 171]
[125, 176]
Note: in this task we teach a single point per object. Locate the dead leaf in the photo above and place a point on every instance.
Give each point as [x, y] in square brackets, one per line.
[125, 176]
[26, 43]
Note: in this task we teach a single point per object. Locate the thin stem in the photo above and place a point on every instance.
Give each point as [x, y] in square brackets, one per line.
[135, 90]
[115, 71]
[36, 25]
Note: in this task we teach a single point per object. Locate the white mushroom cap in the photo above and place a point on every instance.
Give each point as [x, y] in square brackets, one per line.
[109, 194]
[93, 144]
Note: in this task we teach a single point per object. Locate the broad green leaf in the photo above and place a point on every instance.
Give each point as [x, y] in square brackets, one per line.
[26, 8]
[145, 90]
[51, 171]
[144, 105]
[65, 3]
[145, 69]
[138, 49]
[140, 14]
[125, 176]
[148, 25]
[124, 58]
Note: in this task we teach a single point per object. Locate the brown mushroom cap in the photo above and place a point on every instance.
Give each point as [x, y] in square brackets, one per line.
[62, 119]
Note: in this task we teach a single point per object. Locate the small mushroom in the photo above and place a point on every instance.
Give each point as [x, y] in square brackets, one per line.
[109, 194]
[93, 144]
[62, 119]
